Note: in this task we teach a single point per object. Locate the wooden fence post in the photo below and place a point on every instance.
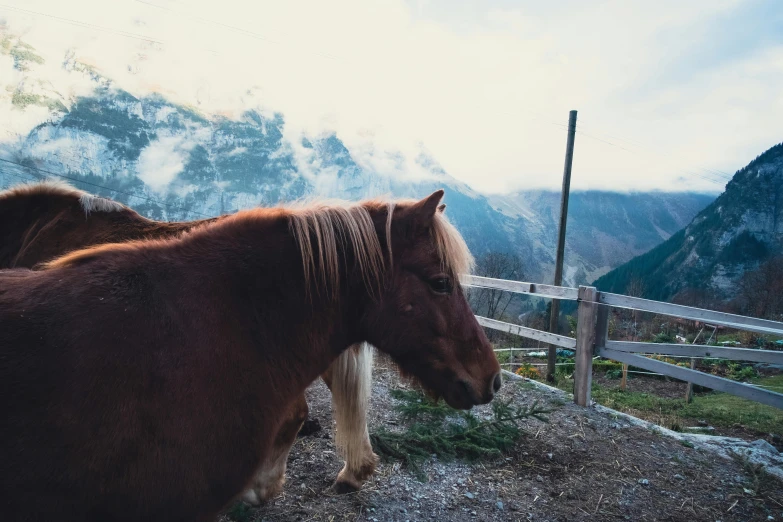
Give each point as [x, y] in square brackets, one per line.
[602, 323]
[689, 388]
[585, 342]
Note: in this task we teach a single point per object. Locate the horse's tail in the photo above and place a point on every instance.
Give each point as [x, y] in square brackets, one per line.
[351, 391]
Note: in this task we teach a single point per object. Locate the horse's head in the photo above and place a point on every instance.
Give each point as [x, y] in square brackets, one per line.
[423, 319]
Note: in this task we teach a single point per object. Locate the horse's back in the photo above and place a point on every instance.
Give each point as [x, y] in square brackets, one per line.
[40, 223]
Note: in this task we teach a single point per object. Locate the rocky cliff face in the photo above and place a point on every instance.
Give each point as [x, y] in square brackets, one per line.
[736, 232]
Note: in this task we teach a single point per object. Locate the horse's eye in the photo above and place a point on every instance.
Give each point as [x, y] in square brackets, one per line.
[442, 285]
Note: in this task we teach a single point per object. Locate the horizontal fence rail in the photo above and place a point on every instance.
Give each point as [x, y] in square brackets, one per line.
[534, 364]
[592, 338]
[714, 382]
[698, 350]
[739, 322]
[558, 292]
[497, 350]
[530, 333]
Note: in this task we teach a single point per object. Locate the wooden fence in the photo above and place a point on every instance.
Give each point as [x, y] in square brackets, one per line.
[592, 338]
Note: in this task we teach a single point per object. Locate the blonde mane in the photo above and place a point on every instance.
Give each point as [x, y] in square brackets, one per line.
[320, 226]
[455, 256]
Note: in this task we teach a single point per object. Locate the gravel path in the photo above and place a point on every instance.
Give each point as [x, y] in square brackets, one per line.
[584, 464]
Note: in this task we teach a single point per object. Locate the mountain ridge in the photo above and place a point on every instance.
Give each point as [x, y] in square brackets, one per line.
[733, 235]
[169, 161]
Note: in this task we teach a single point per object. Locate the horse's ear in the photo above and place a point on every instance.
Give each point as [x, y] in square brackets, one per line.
[419, 216]
[424, 210]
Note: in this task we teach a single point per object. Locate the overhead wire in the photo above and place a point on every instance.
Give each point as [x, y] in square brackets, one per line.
[149, 39]
[233, 28]
[717, 174]
[690, 173]
[710, 175]
[78, 23]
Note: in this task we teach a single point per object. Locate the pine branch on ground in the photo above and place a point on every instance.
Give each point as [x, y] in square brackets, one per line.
[414, 405]
[451, 434]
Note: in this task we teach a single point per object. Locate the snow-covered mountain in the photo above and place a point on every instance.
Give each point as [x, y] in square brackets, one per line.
[171, 161]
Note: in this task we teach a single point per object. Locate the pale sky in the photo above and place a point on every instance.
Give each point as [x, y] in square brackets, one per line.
[670, 94]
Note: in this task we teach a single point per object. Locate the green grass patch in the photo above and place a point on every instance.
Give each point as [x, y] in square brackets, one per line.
[718, 409]
[437, 429]
[503, 357]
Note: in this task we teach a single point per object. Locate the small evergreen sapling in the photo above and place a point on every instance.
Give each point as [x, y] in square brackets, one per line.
[450, 434]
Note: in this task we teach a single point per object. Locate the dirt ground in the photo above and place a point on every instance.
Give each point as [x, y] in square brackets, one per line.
[581, 465]
[668, 389]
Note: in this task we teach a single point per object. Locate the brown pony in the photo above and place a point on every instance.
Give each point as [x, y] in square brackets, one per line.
[42, 221]
[147, 380]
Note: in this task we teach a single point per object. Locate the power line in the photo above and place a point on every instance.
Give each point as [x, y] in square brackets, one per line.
[251, 34]
[706, 176]
[23, 178]
[84, 24]
[701, 176]
[144, 38]
[78, 23]
[717, 175]
[75, 180]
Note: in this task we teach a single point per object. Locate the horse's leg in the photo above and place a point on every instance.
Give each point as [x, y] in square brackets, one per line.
[270, 477]
[350, 380]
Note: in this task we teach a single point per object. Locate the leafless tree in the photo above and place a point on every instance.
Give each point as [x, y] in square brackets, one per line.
[490, 302]
[635, 288]
[759, 293]
[697, 297]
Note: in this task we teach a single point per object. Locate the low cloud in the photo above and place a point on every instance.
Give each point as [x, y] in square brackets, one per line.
[487, 88]
[162, 160]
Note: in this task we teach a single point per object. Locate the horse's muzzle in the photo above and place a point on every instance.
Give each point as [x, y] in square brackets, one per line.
[465, 396]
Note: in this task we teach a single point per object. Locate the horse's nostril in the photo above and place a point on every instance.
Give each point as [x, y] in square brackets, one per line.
[496, 383]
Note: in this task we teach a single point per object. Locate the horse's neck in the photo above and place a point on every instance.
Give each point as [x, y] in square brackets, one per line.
[306, 329]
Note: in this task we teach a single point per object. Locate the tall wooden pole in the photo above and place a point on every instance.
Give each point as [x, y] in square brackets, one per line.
[561, 233]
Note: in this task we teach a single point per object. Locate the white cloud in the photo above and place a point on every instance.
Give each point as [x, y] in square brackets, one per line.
[161, 161]
[488, 94]
[237, 150]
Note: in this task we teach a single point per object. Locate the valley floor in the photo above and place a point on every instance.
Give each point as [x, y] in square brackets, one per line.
[583, 464]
